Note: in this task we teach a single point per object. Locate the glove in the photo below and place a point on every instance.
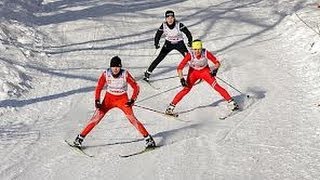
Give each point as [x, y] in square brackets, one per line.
[214, 72]
[189, 44]
[157, 46]
[183, 82]
[97, 104]
[130, 102]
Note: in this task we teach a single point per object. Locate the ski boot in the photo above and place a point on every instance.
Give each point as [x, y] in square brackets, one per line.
[233, 106]
[78, 141]
[170, 109]
[149, 142]
[147, 76]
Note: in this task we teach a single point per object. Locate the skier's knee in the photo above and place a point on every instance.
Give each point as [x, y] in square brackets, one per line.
[214, 84]
[187, 88]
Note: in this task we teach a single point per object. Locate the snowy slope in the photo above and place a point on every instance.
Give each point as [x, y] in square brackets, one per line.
[20, 44]
[50, 62]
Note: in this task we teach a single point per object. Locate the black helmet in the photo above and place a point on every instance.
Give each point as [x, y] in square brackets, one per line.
[115, 62]
[169, 13]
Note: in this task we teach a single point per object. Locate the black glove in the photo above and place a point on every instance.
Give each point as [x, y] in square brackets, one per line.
[189, 44]
[214, 72]
[97, 103]
[157, 46]
[130, 102]
[183, 82]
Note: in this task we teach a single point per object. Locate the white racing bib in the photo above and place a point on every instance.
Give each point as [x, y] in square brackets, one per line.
[116, 86]
[173, 35]
[200, 63]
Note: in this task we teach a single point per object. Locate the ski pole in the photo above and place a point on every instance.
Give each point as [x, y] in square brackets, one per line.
[155, 52]
[232, 87]
[160, 112]
[149, 109]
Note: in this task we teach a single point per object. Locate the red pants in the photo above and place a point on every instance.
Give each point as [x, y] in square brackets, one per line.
[110, 101]
[193, 76]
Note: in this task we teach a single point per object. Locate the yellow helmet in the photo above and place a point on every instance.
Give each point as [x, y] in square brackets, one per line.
[197, 44]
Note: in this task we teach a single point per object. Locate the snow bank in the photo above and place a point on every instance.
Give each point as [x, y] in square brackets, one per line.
[19, 42]
[14, 80]
[300, 33]
[301, 30]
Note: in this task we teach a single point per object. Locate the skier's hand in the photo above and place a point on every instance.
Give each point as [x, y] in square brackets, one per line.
[97, 104]
[214, 72]
[189, 44]
[157, 46]
[130, 102]
[183, 82]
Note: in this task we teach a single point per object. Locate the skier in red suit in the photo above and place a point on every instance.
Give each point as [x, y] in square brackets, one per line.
[199, 69]
[116, 81]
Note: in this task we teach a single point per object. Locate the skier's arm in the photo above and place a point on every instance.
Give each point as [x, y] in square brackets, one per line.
[186, 31]
[158, 35]
[132, 82]
[213, 59]
[182, 64]
[100, 85]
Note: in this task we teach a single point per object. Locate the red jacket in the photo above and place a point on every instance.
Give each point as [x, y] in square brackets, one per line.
[129, 79]
[187, 58]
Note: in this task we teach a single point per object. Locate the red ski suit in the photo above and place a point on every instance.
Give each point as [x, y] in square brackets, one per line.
[199, 69]
[116, 96]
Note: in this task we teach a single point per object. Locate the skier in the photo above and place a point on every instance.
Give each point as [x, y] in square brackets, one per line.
[199, 69]
[172, 30]
[116, 80]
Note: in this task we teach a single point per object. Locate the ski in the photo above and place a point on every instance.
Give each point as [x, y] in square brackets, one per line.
[172, 115]
[138, 152]
[229, 114]
[175, 115]
[246, 105]
[78, 149]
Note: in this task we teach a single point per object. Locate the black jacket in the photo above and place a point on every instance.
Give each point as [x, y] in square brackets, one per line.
[182, 28]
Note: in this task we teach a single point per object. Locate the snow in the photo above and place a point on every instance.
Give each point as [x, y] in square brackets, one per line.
[52, 52]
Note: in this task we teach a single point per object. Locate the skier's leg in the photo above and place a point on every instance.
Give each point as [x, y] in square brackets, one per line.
[163, 53]
[181, 47]
[213, 83]
[121, 104]
[96, 118]
[150, 143]
[107, 104]
[191, 79]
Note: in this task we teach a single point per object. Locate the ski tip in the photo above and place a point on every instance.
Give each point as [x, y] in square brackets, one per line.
[68, 142]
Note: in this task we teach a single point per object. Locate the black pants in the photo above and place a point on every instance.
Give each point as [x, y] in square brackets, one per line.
[166, 48]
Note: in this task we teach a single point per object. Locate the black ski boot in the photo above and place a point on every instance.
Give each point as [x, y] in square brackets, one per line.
[149, 142]
[147, 76]
[170, 109]
[78, 141]
[233, 106]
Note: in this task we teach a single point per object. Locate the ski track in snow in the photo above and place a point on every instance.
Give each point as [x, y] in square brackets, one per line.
[265, 49]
